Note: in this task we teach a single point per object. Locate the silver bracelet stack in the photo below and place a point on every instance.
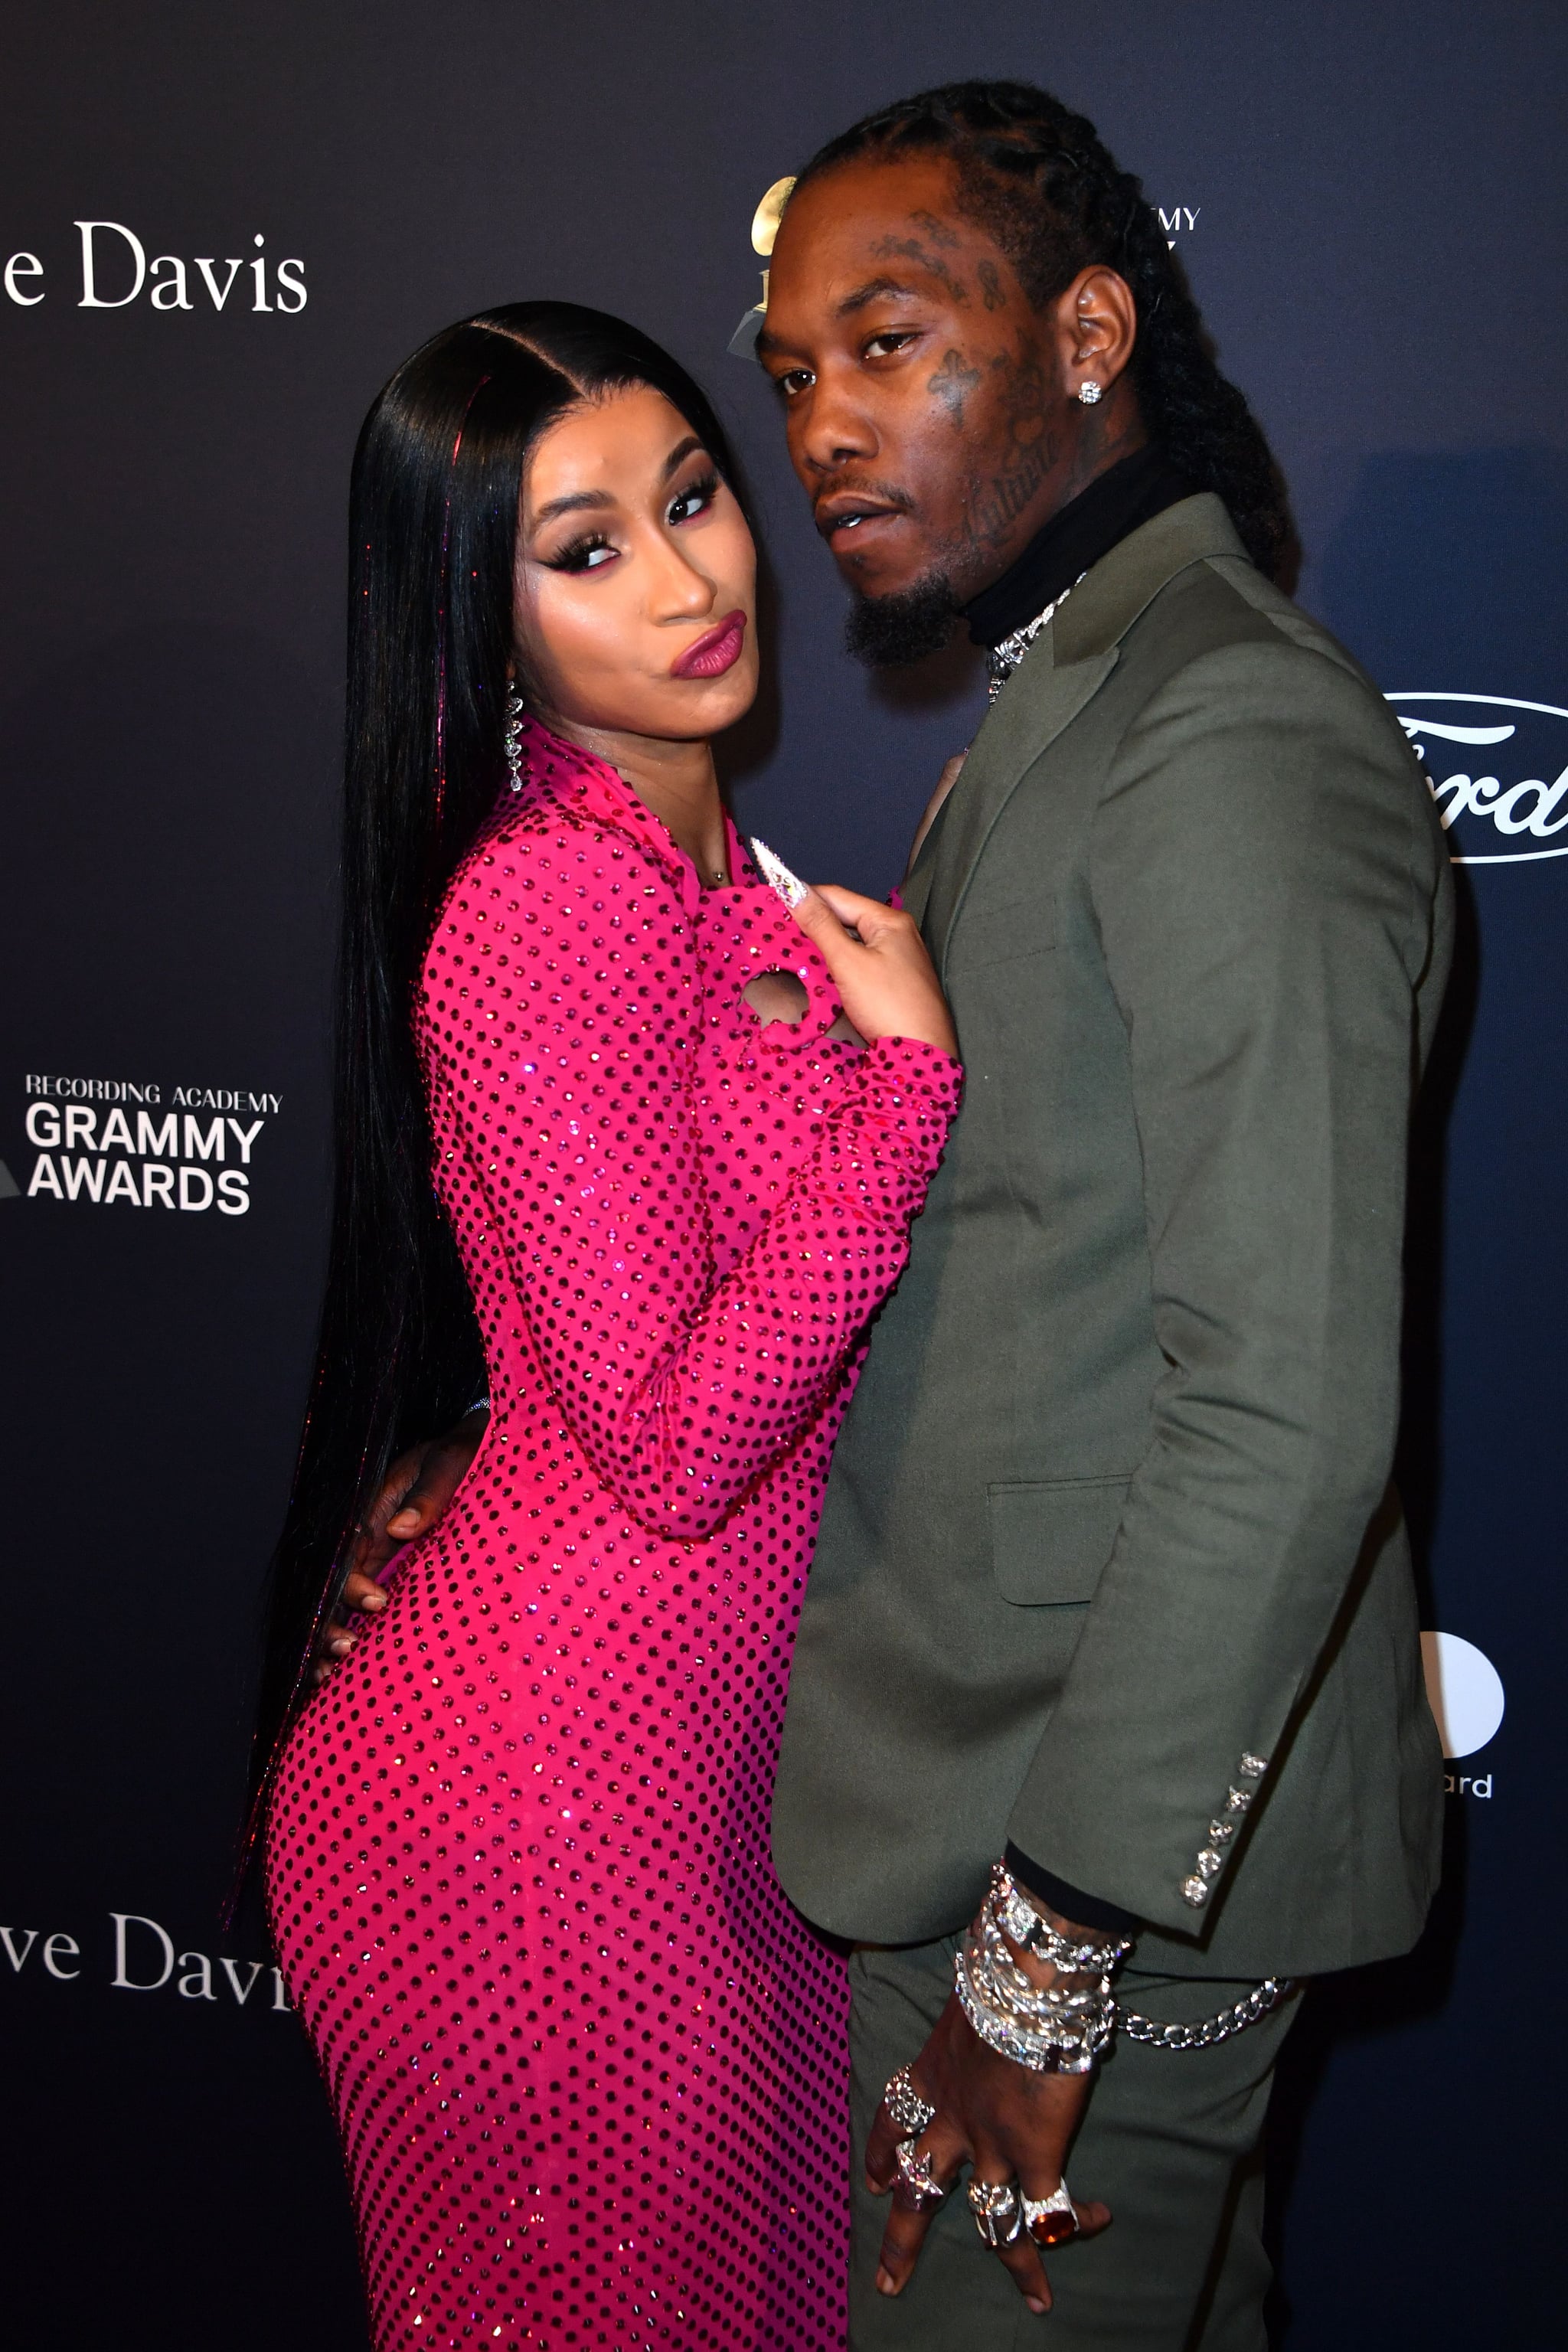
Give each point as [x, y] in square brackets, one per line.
[1029, 1928]
[1057, 2030]
[1063, 2031]
[1060, 2030]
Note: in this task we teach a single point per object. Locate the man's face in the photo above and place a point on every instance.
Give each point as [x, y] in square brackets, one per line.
[919, 386]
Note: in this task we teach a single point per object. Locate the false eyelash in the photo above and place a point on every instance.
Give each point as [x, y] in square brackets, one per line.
[706, 487]
[572, 558]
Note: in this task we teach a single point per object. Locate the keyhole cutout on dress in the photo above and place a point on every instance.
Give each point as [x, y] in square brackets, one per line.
[776, 996]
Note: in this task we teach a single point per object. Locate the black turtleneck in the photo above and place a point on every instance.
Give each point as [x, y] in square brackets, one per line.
[1133, 491]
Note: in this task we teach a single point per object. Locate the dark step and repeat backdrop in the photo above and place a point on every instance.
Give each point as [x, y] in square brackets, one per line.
[219, 231]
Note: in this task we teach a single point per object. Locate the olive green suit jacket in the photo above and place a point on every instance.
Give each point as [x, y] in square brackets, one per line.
[1112, 1509]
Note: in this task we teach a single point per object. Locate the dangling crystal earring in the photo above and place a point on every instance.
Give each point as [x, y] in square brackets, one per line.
[1089, 393]
[514, 736]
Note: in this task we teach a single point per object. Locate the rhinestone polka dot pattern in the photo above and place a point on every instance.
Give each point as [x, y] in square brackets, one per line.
[588, 2066]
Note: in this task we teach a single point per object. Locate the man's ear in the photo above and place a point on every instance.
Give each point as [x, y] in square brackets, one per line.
[1097, 327]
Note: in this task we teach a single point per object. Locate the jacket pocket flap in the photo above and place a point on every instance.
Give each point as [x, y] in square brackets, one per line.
[1050, 1539]
[1001, 934]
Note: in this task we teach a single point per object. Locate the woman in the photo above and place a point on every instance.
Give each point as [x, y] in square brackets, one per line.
[586, 2062]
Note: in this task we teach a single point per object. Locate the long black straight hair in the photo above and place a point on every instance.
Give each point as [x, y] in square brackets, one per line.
[433, 521]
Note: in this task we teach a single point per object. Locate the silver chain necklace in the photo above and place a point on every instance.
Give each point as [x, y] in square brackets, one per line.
[1004, 659]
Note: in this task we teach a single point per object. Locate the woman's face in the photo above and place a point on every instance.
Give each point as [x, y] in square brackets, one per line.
[634, 590]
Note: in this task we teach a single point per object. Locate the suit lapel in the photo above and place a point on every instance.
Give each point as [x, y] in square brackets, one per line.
[1036, 703]
[915, 890]
[1067, 662]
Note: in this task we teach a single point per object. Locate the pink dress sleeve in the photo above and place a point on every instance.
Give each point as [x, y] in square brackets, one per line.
[561, 1010]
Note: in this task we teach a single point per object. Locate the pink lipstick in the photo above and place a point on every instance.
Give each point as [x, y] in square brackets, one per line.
[716, 651]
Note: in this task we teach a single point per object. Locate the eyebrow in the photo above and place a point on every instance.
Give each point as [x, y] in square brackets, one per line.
[768, 346]
[577, 501]
[871, 291]
[572, 503]
[679, 454]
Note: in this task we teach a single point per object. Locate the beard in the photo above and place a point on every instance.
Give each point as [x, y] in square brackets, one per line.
[892, 632]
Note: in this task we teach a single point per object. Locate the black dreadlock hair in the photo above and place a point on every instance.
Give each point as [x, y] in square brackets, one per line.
[1038, 179]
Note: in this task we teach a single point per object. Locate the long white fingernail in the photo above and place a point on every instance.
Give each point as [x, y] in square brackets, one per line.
[777, 873]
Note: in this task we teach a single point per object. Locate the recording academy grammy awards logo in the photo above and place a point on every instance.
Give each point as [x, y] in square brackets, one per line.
[99, 1143]
[1498, 773]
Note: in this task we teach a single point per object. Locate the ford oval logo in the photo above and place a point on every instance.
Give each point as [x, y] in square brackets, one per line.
[1498, 774]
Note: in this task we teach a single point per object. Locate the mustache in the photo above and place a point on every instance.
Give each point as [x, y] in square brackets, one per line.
[861, 486]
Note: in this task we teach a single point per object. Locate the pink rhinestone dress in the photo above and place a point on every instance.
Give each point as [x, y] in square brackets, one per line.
[588, 2066]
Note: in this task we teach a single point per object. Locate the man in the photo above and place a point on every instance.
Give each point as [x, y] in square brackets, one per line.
[1111, 1585]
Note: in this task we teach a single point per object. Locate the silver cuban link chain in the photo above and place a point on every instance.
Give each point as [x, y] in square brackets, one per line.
[1065, 2028]
[1060, 2028]
[1031, 1931]
[1207, 2031]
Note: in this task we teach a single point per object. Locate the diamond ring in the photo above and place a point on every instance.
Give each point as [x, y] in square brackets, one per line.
[905, 2104]
[995, 2205]
[915, 2172]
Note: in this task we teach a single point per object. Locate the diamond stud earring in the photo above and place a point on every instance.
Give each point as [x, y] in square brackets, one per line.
[1089, 393]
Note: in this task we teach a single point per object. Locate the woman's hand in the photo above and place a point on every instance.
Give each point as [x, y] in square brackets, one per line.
[414, 1494]
[877, 962]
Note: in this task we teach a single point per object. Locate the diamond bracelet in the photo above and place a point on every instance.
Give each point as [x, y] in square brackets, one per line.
[1055, 2029]
[1050, 2044]
[1027, 1928]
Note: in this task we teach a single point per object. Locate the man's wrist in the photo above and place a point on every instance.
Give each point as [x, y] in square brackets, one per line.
[1030, 1992]
[1069, 1904]
[1037, 1930]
